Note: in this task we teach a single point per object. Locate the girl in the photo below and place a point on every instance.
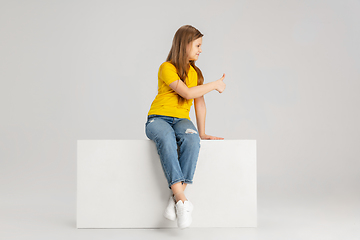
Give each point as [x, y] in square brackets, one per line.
[169, 126]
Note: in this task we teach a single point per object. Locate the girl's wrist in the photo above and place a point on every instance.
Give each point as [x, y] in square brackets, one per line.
[214, 86]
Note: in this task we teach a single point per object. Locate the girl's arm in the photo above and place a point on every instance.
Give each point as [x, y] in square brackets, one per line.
[198, 91]
[200, 111]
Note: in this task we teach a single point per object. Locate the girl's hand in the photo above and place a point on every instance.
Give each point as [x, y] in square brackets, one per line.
[208, 137]
[220, 84]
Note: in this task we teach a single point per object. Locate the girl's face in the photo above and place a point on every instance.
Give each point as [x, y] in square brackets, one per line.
[194, 49]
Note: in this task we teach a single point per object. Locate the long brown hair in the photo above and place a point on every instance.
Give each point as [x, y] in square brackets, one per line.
[178, 57]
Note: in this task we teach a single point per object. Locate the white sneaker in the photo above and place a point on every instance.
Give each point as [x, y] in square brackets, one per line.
[183, 213]
[169, 212]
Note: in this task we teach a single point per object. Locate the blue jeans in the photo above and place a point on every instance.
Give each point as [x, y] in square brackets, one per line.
[178, 145]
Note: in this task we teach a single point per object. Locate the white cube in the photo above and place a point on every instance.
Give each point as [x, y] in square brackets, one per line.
[120, 184]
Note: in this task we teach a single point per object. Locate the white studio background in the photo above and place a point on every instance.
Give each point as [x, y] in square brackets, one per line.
[74, 70]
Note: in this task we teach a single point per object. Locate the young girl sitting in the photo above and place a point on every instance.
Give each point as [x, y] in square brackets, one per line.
[169, 126]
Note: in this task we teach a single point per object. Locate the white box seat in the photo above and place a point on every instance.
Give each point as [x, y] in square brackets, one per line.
[120, 184]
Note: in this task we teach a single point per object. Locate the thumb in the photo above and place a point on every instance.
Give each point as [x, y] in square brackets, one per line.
[223, 76]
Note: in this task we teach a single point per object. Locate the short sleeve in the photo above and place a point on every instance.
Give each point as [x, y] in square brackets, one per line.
[168, 73]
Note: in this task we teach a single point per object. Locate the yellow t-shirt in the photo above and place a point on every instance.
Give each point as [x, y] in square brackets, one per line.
[166, 102]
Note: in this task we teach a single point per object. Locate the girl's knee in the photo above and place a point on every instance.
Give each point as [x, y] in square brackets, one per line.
[191, 139]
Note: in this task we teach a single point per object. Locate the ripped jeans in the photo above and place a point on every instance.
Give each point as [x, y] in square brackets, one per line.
[178, 144]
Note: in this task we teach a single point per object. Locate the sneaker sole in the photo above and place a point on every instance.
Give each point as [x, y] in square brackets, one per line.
[185, 225]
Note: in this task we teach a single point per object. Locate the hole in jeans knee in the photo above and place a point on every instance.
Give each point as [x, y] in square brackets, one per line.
[190, 131]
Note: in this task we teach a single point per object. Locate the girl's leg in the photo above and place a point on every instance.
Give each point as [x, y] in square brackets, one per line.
[188, 141]
[178, 191]
[161, 132]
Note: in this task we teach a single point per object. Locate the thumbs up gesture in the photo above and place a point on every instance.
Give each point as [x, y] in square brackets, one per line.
[220, 87]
